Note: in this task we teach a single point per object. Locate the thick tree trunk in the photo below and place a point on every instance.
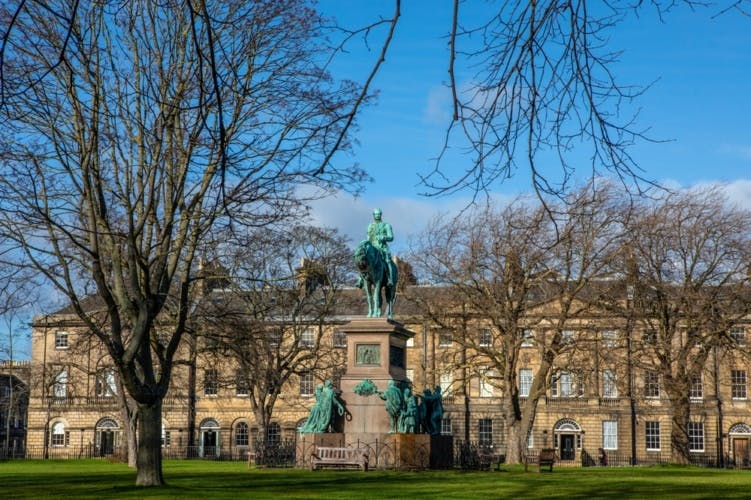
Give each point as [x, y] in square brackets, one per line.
[514, 450]
[679, 452]
[150, 445]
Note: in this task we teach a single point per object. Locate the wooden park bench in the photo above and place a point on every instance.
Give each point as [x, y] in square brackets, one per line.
[326, 456]
[545, 458]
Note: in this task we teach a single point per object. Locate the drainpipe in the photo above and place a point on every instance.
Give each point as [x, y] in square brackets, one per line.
[720, 424]
[630, 365]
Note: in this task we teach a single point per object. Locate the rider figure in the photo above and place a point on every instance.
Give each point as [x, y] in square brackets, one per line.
[379, 234]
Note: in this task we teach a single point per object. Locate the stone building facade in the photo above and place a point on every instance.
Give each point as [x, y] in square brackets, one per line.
[596, 400]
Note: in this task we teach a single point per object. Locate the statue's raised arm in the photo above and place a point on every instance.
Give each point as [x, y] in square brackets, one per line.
[377, 269]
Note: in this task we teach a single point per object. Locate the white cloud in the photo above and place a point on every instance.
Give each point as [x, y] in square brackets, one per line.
[408, 216]
[438, 106]
[737, 150]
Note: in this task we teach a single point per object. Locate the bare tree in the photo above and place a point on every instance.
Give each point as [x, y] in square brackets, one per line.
[271, 315]
[687, 261]
[543, 91]
[524, 277]
[134, 127]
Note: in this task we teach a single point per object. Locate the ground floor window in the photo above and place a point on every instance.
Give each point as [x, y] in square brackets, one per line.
[485, 432]
[652, 435]
[609, 435]
[273, 434]
[59, 436]
[241, 434]
[446, 429]
[696, 436]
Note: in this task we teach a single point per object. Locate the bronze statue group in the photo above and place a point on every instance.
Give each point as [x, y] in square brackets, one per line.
[407, 414]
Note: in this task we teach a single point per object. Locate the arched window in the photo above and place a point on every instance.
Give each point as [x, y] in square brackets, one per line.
[740, 429]
[59, 436]
[241, 434]
[273, 434]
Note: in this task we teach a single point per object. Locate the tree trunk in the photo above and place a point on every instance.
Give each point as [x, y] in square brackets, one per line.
[150, 445]
[129, 414]
[679, 452]
[514, 450]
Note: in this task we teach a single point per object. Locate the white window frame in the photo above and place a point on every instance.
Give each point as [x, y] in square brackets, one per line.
[239, 436]
[485, 337]
[738, 334]
[528, 337]
[609, 434]
[446, 380]
[652, 385]
[485, 432]
[609, 385]
[446, 429]
[739, 384]
[308, 338]
[241, 384]
[307, 384]
[609, 338]
[61, 339]
[526, 376]
[652, 432]
[486, 387]
[695, 437]
[60, 384]
[340, 338]
[104, 385]
[445, 339]
[568, 337]
[210, 382]
[59, 435]
[696, 388]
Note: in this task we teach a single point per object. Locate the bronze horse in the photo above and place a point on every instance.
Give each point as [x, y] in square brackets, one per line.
[373, 277]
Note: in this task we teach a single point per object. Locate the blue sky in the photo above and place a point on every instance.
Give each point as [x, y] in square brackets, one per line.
[699, 104]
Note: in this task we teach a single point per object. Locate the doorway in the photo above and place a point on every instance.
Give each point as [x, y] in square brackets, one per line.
[568, 452]
[107, 443]
[208, 444]
[740, 451]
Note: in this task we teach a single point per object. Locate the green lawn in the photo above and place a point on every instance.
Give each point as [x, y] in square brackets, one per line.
[74, 479]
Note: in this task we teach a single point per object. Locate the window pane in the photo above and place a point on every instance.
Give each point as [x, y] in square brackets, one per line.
[486, 338]
[525, 382]
[446, 426]
[738, 384]
[651, 385]
[485, 432]
[609, 388]
[697, 389]
[696, 436]
[307, 338]
[306, 384]
[610, 435]
[652, 435]
[210, 382]
[241, 434]
[61, 340]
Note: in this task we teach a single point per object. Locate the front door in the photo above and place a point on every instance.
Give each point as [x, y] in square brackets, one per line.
[567, 446]
[740, 451]
[209, 443]
[107, 444]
